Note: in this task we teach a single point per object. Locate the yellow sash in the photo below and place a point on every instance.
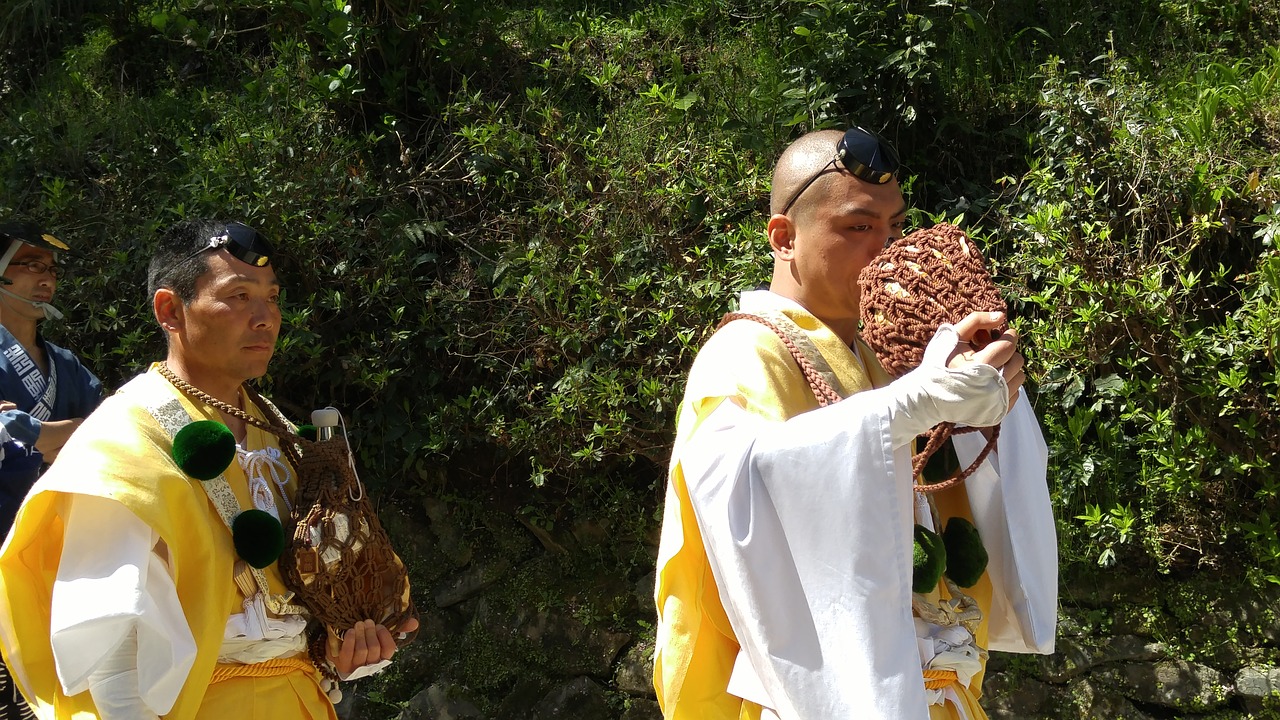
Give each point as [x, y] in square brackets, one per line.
[122, 453]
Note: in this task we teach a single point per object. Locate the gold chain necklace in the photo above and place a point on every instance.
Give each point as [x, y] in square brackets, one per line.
[211, 401]
[287, 437]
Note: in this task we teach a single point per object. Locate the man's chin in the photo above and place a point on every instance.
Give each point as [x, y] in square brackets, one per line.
[24, 309]
[256, 370]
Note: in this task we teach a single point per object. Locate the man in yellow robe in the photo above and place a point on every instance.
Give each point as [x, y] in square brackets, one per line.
[122, 595]
[784, 583]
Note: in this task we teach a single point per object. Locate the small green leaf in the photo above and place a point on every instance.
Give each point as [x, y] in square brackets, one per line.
[687, 101]
[1111, 385]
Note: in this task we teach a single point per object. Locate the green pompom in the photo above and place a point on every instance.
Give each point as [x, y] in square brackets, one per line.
[928, 558]
[966, 557]
[941, 465]
[204, 449]
[258, 536]
[307, 432]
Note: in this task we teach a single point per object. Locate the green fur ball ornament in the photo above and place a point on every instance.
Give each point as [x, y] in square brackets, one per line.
[966, 557]
[307, 432]
[204, 449]
[258, 537]
[941, 465]
[928, 558]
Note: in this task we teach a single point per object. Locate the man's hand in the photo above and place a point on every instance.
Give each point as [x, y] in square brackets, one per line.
[6, 406]
[1000, 353]
[365, 644]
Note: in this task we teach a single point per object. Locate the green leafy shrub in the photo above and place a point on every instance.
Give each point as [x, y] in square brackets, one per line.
[506, 229]
[1145, 290]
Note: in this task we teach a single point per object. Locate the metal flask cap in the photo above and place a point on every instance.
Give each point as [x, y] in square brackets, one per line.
[325, 420]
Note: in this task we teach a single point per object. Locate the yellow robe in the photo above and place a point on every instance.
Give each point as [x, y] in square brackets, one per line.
[747, 364]
[122, 453]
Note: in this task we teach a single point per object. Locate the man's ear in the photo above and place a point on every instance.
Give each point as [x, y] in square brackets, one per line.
[782, 236]
[168, 310]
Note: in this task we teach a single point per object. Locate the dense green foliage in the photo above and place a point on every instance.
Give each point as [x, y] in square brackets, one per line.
[508, 226]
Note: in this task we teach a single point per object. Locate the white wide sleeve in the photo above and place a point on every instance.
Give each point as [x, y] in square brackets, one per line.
[114, 684]
[808, 530]
[1009, 498]
[112, 585]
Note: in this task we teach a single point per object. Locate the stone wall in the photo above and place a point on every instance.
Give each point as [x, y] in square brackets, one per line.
[524, 622]
[1133, 647]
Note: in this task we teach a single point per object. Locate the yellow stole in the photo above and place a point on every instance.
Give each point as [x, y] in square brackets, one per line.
[745, 363]
[122, 453]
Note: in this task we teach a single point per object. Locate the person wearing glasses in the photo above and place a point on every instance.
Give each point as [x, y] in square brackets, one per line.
[46, 391]
[784, 573]
[129, 587]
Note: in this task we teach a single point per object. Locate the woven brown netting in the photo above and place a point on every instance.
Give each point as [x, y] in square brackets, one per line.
[921, 281]
[339, 559]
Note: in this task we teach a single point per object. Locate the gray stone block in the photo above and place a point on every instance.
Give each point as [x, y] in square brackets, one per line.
[441, 701]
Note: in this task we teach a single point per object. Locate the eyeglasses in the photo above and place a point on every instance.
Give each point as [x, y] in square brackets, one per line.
[243, 242]
[866, 156]
[38, 267]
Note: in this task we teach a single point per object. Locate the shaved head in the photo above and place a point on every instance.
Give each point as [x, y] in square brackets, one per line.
[837, 223]
[803, 159]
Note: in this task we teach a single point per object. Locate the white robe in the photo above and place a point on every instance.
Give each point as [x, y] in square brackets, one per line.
[807, 525]
[117, 620]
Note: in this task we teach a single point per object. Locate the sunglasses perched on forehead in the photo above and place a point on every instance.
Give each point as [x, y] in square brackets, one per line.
[243, 242]
[866, 156]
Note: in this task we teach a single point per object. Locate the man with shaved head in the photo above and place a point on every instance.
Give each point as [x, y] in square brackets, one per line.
[785, 570]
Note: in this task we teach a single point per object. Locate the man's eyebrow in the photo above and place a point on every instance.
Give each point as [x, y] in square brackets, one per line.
[275, 282]
[865, 211]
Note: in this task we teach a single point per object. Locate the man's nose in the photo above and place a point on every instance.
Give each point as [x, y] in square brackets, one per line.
[264, 315]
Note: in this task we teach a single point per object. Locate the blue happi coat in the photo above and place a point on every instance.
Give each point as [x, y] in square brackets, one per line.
[70, 391]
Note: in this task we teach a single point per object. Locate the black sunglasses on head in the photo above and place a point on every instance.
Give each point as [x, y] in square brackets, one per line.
[866, 156]
[243, 242]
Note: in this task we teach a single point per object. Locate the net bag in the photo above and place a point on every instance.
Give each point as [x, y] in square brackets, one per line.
[919, 282]
[338, 558]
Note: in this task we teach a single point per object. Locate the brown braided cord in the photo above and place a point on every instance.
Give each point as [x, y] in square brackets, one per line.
[822, 390]
[919, 282]
[213, 402]
[937, 436]
[362, 577]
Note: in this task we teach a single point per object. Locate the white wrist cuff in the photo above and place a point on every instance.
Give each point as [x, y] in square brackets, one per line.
[974, 395]
[114, 684]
